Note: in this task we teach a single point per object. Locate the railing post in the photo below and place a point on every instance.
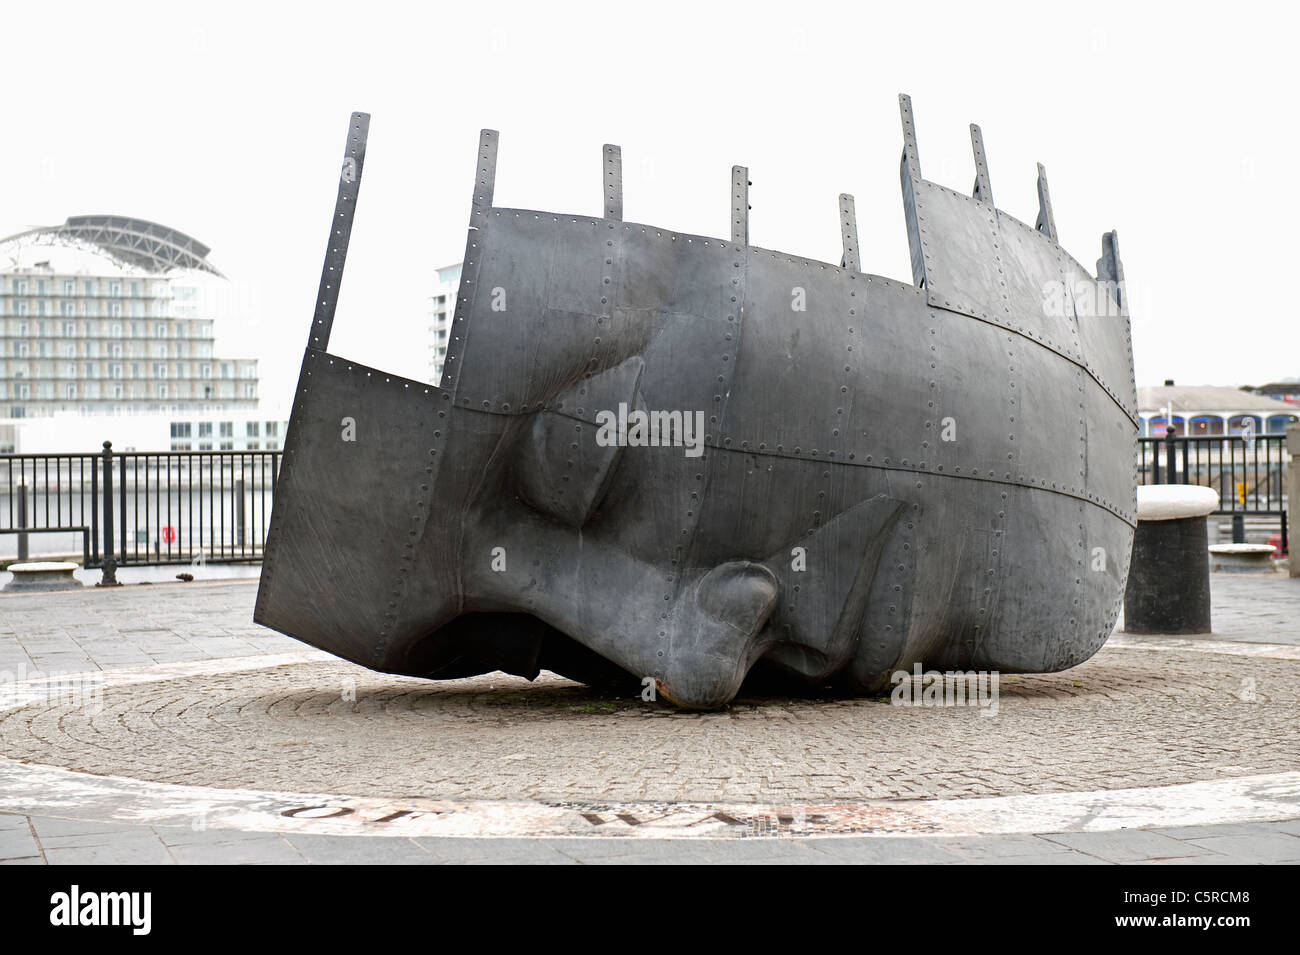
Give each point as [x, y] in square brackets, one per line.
[1171, 470]
[22, 519]
[239, 513]
[110, 563]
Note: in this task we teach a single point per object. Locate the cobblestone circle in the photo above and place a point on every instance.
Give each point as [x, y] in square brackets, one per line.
[1126, 718]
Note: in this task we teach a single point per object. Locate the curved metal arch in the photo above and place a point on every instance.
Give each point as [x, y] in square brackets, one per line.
[131, 242]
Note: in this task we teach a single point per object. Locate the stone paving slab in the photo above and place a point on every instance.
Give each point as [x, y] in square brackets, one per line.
[1140, 714]
[1248, 843]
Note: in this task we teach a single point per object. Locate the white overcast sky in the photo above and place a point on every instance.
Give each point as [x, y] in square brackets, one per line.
[1175, 124]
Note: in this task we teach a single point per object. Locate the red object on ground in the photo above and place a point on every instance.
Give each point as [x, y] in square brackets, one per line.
[168, 534]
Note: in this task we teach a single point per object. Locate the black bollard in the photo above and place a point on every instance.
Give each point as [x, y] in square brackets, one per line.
[1169, 578]
[22, 521]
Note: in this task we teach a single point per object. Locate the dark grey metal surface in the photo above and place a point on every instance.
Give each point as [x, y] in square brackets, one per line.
[1169, 588]
[890, 473]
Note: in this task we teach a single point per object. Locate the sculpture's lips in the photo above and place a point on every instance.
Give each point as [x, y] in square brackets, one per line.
[888, 473]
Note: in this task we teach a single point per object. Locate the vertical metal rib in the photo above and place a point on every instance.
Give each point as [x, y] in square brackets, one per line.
[849, 232]
[1110, 270]
[1045, 224]
[354, 157]
[983, 190]
[486, 180]
[613, 167]
[911, 160]
[740, 205]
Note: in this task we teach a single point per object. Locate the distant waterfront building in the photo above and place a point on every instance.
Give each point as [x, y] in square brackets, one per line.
[1211, 410]
[146, 432]
[110, 315]
[1287, 390]
[444, 309]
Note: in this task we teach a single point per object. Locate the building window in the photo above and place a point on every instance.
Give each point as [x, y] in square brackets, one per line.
[180, 429]
[227, 429]
[67, 308]
[70, 392]
[114, 287]
[272, 429]
[205, 429]
[253, 429]
[69, 328]
[69, 287]
[20, 308]
[227, 445]
[90, 286]
[20, 286]
[160, 330]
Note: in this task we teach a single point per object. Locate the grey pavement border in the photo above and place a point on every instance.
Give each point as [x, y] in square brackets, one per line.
[57, 841]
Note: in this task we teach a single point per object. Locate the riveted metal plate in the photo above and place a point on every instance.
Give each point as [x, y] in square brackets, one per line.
[740, 205]
[354, 159]
[876, 463]
[612, 168]
[849, 233]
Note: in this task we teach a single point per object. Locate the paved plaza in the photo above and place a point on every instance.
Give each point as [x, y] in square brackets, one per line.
[157, 723]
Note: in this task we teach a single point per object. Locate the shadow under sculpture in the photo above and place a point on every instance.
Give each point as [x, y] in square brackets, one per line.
[686, 460]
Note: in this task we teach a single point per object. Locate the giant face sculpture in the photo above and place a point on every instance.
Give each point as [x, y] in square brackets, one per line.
[667, 456]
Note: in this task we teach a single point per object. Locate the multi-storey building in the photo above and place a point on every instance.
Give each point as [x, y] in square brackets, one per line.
[444, 310]
[112, 315]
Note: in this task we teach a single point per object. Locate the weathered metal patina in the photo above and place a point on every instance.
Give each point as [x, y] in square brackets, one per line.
[889, 473]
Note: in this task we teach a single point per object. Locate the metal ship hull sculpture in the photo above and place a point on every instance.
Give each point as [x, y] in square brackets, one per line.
[888, 473]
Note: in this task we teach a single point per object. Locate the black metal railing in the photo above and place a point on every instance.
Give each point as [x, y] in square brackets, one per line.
[1248, 472]
[140, 508]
